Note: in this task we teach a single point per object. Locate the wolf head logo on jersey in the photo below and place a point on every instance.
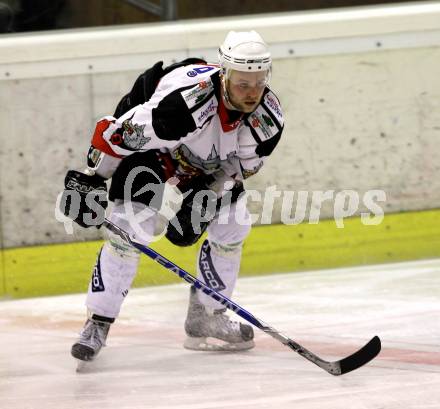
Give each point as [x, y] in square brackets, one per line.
[133, 135]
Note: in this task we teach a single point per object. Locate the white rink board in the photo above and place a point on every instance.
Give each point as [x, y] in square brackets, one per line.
[376, 126]
[331, 312]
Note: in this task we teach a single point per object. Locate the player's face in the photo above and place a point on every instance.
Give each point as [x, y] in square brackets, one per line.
[245, 89]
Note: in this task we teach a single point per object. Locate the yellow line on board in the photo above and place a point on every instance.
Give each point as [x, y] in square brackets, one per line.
[66, 268]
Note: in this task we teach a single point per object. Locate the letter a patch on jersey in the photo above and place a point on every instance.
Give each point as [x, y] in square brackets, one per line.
[206, 266]
[97, 283]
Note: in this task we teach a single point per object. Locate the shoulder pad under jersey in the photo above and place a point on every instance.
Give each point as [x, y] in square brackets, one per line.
[189, 105]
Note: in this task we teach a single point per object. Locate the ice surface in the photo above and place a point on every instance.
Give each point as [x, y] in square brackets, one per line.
[331, 312]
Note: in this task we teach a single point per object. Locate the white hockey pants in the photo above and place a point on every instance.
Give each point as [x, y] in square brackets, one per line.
[218, 261]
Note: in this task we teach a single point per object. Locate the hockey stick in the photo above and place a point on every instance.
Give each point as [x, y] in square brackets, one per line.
[350, 363]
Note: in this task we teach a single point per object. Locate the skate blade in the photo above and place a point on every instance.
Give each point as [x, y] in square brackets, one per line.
[83, 366]
[208, 344]
[80, 365]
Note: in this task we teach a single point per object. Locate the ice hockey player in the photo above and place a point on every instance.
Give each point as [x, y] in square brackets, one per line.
[207, 126]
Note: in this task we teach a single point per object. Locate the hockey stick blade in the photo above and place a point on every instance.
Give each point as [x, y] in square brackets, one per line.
[361, 357]
[348, 364]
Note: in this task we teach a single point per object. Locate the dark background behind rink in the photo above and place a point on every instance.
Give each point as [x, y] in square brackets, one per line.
[35, 15]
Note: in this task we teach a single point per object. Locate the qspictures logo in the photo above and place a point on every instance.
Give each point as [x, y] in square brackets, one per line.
[274, 206]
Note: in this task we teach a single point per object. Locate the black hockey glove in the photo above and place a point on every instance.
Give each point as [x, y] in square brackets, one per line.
[198, 209]
[84, 199]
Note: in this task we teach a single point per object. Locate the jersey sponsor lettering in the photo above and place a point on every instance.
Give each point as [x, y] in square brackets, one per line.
[273, 105]
[207, 268]
[195, 95]
[205, 111]
[97, 283]
[263, 124]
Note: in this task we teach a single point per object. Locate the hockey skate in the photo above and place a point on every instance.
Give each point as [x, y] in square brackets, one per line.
[92, 339]
[214, 331]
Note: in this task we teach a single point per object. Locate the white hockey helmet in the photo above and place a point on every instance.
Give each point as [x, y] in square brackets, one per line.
[244, 51]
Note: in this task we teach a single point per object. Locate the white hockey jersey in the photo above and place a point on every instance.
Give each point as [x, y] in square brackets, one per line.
[187, 118]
